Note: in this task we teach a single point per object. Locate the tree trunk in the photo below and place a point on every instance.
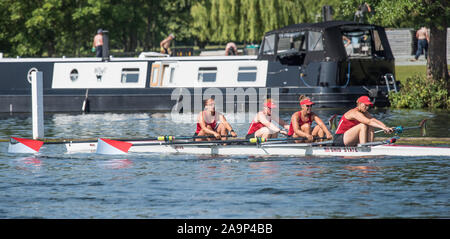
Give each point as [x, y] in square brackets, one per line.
[437, 52]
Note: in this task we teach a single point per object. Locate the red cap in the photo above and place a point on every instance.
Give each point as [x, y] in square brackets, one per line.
[365, 99]
[306, 102]
[270, 104]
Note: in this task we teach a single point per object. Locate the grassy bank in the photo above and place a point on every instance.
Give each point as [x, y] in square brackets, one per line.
[403, 72]
[417, 92]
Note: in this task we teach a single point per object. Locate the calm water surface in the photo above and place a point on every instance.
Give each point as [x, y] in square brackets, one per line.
[54, 184]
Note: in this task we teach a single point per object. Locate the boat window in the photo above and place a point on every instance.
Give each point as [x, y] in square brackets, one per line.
[172, 74]
[207, 74]
[377, 41]
[269, 45]
[357, 42]
[315, 41]
[247, 73]
[130, 75]
[291, 42]
[74, 75]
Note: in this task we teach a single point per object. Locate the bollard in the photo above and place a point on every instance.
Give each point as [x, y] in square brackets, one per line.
[37, 104]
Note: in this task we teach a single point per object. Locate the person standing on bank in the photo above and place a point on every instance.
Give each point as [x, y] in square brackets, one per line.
[97, 45]
[165, 44]
[356, 125]
[422, 43]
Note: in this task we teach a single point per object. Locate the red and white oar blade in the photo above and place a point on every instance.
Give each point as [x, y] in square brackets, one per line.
[109, 146]
[24, 146]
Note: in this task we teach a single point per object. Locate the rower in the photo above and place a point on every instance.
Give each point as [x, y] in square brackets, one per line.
[212, 123]
[301, 122]
[262, 125]
[356, 125]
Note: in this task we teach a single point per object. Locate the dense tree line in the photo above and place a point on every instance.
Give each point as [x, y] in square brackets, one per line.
[67, 27]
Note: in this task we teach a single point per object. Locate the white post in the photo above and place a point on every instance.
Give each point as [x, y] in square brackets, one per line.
[37, 101]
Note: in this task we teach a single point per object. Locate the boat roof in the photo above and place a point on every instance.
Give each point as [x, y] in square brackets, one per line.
[117, 59]
[317, 26]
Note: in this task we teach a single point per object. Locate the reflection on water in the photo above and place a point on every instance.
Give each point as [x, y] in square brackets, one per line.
[117, 164]
[31, 164]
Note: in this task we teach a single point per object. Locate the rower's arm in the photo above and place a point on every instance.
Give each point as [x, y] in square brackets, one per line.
[267, 123]
[225, 123]
[369, 121]
[281, 122]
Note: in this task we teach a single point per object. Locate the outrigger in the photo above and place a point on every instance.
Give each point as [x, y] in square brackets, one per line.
[253, 146]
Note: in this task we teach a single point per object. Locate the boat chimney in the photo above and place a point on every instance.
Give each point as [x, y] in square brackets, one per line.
[105, 50]
[327, 13]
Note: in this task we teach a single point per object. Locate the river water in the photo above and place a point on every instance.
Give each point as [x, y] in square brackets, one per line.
[54, 184]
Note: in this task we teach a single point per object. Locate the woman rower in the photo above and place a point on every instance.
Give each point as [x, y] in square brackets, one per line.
[262, 125]
[301, 122]
[356, 125]
[212, 123]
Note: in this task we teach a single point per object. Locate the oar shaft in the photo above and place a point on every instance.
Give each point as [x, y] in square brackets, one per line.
[251, 140]
[94, 140]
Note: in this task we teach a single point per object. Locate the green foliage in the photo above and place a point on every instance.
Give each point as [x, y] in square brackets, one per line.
[221, 21]
[67, 27]
[418, 92]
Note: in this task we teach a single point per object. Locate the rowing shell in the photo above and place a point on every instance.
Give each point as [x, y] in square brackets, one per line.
[286, 149]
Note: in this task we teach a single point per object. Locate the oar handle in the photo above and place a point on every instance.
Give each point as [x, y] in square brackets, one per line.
[398, 130]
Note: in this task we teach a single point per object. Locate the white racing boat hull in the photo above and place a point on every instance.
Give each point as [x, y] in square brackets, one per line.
[267, 149]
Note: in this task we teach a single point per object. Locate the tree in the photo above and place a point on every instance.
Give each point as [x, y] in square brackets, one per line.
[248, 20]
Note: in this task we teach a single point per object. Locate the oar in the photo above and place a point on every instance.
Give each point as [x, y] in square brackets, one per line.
[388, 141]
[170, 138]
[108, 146]
[399, 129]
[332, 122]
[22, 145]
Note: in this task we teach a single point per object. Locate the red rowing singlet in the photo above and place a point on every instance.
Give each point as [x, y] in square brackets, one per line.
[212, 124]
[255, 126]
[345, 124]
[300, 123]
